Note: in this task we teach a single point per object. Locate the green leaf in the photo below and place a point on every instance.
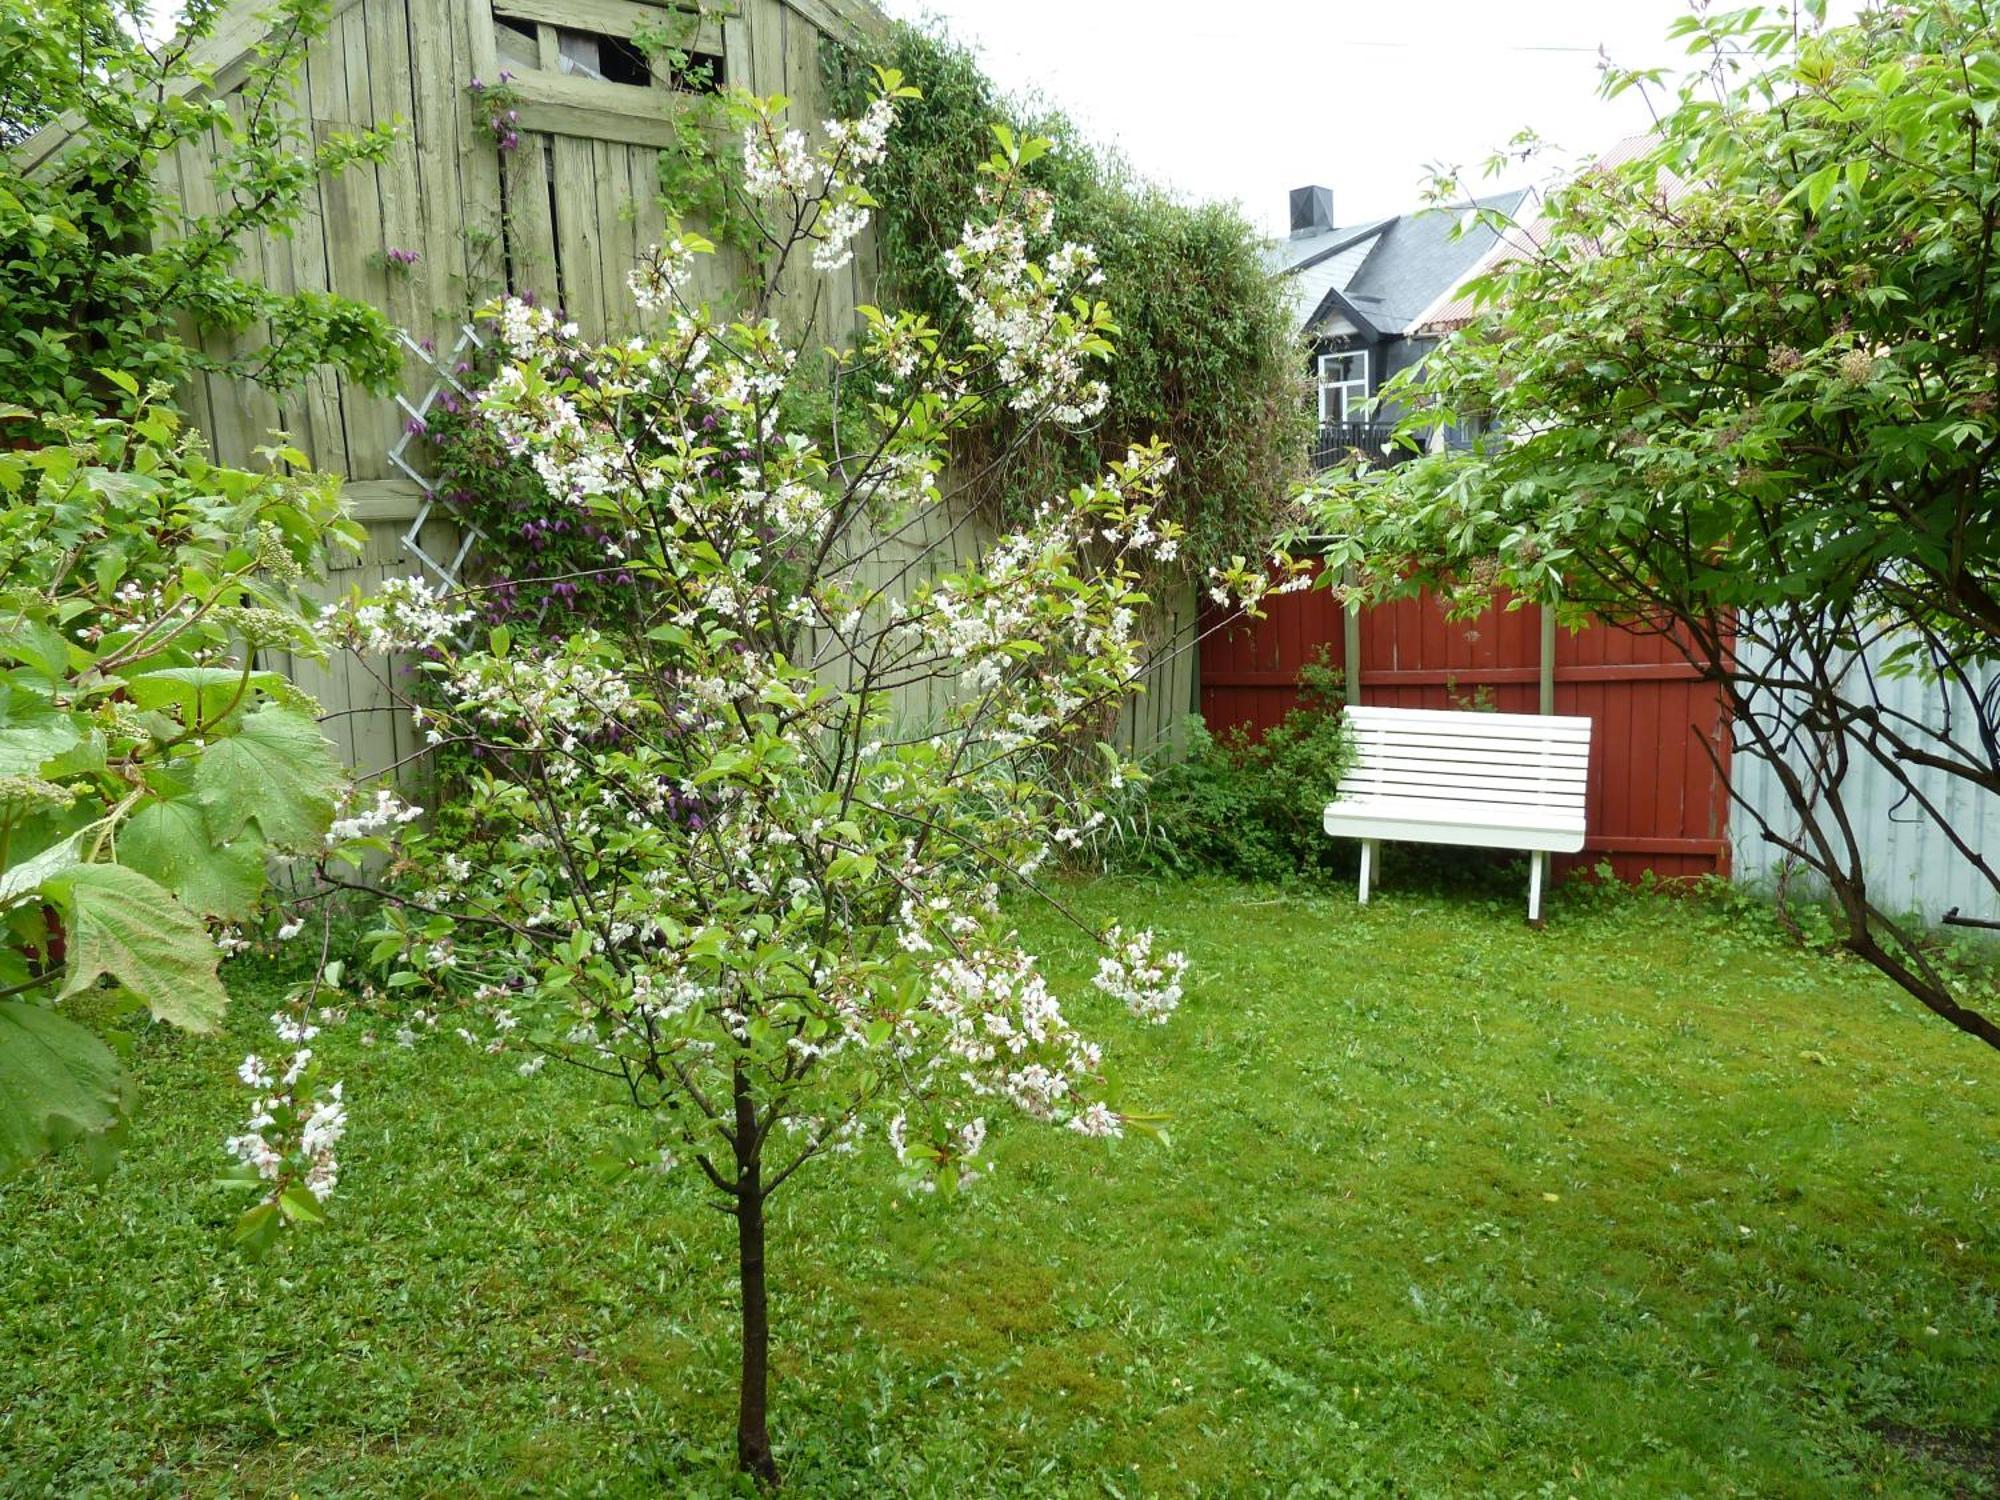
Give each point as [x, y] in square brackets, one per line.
[257, 1231]
[31, 731]
[28, 877]
[57, 1083]
[169, 842]
[36, 644]
[202, 693]
[124, 925]
[277, 771]
[298, 1204]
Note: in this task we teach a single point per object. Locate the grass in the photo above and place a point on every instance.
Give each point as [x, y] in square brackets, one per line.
[1649, 1203]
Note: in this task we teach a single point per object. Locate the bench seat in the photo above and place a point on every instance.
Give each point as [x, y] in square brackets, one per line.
[1485, 825]
[1494, 781]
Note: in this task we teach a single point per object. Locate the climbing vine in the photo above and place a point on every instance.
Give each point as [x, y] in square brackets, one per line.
[1207, 359]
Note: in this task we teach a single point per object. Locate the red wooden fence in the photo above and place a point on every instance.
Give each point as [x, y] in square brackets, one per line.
[1657, 800]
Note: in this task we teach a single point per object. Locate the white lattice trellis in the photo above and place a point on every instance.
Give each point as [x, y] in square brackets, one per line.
[415, 421]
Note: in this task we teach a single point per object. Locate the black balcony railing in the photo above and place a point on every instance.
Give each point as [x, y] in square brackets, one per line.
[1338, 442]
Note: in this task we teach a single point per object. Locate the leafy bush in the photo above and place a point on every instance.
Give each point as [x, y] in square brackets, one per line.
[1249, 808]
[149, 769]
[1207, 359]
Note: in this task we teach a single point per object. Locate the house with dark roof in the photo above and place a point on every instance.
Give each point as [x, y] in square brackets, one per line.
[1365, 294]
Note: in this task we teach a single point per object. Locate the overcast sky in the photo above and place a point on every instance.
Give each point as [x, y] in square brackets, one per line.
[1247, 99]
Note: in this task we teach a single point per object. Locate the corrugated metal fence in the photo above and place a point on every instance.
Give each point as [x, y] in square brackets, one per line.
[1910, 865]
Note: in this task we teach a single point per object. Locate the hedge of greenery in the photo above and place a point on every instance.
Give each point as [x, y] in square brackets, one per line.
[1206, 356]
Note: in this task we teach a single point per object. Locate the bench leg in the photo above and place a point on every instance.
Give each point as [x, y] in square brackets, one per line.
[1537, 862]
[1368, 848]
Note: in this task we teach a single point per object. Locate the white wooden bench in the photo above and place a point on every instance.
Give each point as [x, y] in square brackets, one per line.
[1496, 781]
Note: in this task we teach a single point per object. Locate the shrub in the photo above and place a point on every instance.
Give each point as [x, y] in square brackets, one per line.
[151, 771]
[1249, 808]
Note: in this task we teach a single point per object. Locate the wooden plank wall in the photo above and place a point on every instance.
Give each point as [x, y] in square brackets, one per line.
[381, 62]
[402, 62]
[582, 206]
[581, 188]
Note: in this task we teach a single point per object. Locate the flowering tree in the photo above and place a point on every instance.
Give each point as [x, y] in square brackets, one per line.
[704, 853]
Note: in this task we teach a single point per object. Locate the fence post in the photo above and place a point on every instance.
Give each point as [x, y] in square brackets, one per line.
[1350, 646]
[1548, 674]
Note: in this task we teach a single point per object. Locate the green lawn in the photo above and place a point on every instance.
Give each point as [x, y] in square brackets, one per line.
[1644, 1204]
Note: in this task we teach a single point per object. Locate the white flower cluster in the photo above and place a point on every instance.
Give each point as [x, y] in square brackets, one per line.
[407, 614]
[1024, 314]
[537, 697]
[955, 1147]
[660, 279]
[852, 146]
[838, 225]
[1240, 586]
[1006, 1030]
[537, 421]
[527, 329]
[387, 811]
[864, 140]
[307, 1153]
[780, 163]
[1149, 986]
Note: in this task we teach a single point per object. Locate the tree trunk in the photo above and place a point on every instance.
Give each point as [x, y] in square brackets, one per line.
[753, 1429]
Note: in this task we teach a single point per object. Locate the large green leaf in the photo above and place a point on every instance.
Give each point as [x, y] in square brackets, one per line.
[57, 1082]
[36, 644]
[30, 730]
[20, 881]
[279, 772]
[200, 693]
[124, 925]
[169, 842]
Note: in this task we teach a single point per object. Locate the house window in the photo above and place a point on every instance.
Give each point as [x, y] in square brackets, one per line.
[1343, 387]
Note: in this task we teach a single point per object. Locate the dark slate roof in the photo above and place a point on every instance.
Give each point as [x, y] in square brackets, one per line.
[1297, 252]
[1409, 262]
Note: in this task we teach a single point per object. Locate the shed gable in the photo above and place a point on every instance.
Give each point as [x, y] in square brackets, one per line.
[562, 210]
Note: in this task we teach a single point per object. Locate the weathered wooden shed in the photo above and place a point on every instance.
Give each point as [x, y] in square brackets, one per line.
[562, 210]
[562, 207]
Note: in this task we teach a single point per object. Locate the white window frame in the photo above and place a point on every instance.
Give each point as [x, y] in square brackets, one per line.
[1351, 390]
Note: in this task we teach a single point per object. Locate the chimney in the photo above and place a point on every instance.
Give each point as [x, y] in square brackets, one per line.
[1312, 211]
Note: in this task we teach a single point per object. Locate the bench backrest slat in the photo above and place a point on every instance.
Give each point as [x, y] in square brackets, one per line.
[1455, 721]
[1516, 760]
[1414, 784]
